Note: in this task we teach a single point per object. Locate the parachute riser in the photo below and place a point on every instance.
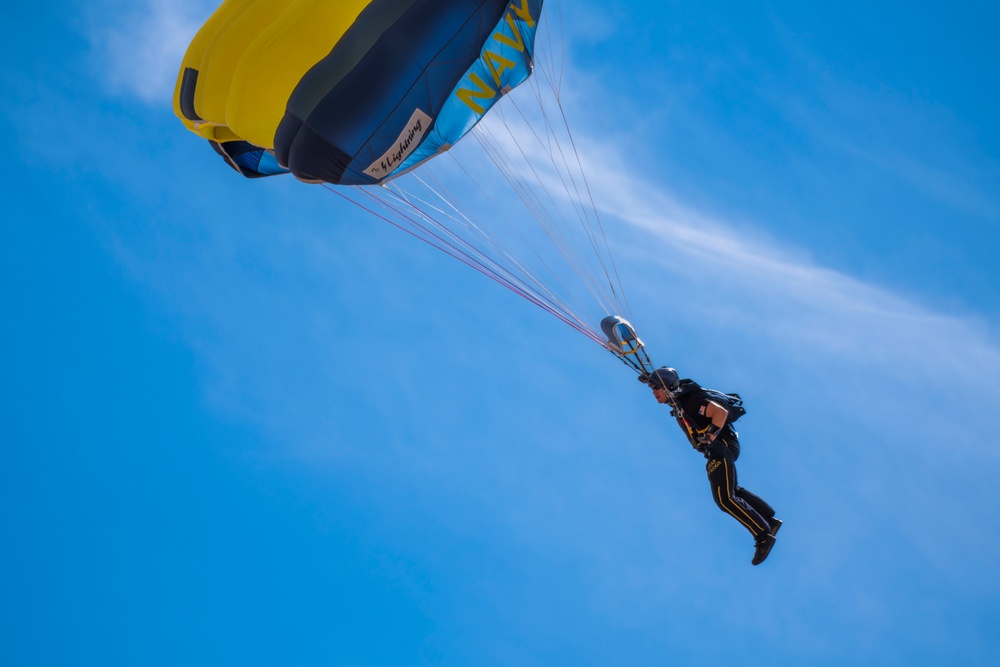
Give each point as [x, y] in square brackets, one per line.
[625, 344]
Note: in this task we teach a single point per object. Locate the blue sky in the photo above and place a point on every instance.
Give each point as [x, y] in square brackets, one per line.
[244, 423]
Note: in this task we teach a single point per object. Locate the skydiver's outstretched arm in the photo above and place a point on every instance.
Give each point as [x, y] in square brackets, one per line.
[718, 414]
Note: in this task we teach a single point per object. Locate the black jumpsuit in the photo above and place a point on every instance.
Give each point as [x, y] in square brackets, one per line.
[750, 510]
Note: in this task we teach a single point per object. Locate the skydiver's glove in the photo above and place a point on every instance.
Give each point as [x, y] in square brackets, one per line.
[707, 437]
[644, 378]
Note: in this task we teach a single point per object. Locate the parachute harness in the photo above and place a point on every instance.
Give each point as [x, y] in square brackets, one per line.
[624, 343]
[686, 426]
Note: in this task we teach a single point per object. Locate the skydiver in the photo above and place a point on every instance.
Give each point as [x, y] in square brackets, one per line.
[704, 422]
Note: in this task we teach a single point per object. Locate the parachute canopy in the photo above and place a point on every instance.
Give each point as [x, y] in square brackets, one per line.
[349, 91]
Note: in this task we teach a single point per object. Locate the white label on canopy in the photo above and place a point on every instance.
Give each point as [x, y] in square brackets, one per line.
[406, 143]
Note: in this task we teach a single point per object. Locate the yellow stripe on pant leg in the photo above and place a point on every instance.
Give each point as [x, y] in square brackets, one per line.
[722, 504]
[725, 463]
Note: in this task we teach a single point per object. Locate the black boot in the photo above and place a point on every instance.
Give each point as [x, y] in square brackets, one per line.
[775, 527]
[763, 545]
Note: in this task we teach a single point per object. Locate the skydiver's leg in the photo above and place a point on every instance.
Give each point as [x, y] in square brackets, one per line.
[731, 440]
[756, 502]
[722, 478]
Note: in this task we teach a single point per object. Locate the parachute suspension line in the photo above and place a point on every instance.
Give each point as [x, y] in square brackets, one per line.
[546, 40]
[593, 205]
[562, 51]
[573, 192]
[538, 210]
[502, 214]
[480, 230]
[555, 232]
[552, 228]
[555, 85]
[555, 166]
[468, 250]
[482, 256]
[493, 240]
[576, 308]
[526, 276]
[496, 270]
[487, 268]
[415, 229]
[578, 199]
[572, 195]
[540, 295]
[412, 225]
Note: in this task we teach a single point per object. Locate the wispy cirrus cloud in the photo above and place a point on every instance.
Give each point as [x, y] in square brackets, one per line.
[781, 290]
[139, 50]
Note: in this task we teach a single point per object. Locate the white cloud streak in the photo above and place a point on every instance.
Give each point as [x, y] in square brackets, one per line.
[778, 288]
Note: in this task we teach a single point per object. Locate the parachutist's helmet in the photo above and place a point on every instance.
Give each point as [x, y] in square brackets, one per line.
[664, 377]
